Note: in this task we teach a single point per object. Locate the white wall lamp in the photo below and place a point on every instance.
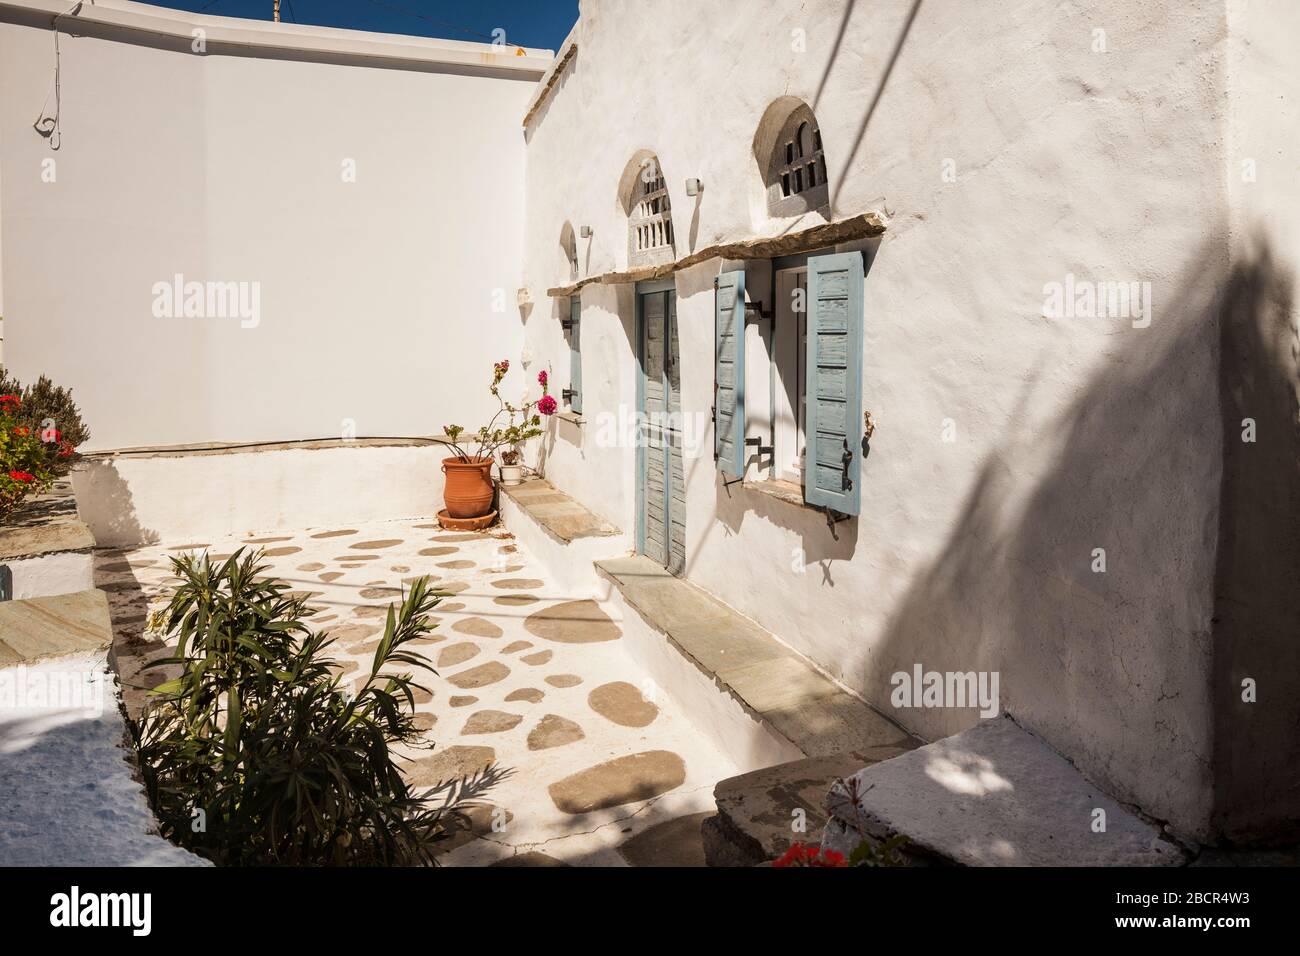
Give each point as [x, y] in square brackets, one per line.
[585, 232]
[694, 187]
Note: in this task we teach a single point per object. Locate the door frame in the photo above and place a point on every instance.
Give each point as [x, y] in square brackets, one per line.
[643, 434]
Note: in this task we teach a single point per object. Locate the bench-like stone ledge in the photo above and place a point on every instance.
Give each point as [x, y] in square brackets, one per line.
[994, 795]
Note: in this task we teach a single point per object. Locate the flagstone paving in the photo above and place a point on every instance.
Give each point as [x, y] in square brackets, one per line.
[527, 677]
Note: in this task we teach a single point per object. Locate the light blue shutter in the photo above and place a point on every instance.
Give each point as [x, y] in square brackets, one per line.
[729, 373]
[575, 354]
[833, 460]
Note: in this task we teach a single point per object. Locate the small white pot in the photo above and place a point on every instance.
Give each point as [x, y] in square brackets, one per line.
[512, 474]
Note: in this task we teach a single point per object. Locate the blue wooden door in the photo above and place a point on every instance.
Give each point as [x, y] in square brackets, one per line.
[661, 523]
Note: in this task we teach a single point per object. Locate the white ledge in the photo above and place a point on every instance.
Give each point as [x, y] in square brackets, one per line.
[290, 37]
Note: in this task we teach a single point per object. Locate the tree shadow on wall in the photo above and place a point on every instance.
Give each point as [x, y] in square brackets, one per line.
[1115, 668]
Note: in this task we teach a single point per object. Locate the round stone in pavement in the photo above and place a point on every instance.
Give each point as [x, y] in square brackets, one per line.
[282, 552]
[530, 694]
[477, 627]
[490, 722]
[675, 842]
[371, 593]
[531, 858]
[572, 622]
[454, 654]
[462, 701]
[623, 704]
[311, 566]
[450, 763]
[541, 657]
[457, 565]
[515, 600]
[329, 577]
[267, 540]
[438, 552]
[451, 587]
[334, 534]
[421, 695]
[452, 538]
[424, 721]
[517, 584]
[564, 680]
[553, 731]
[480, 676]
[376, 545]
[353, 633]
[371, 611]
[515, 647]
[617, 782]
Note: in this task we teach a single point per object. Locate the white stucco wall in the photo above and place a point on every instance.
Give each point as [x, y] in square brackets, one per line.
[384, 301]
[1071, 435]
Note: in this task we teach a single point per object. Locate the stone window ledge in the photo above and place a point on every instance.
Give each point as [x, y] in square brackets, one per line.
[573, 418]
[787, 491]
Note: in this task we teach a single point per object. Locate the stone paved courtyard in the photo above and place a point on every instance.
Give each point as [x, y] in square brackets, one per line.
[602, 769]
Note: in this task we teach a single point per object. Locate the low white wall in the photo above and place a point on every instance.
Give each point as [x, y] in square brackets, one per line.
[130, 500]
[369, 188]
[571, 564]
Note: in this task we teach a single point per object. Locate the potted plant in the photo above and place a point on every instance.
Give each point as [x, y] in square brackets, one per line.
[469, 490]
[512, 472]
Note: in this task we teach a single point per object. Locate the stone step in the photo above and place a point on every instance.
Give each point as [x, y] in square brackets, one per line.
[565, 536]
[761, 813]
[46, 548]
[772, 682]
[45, 627]
[994, 795]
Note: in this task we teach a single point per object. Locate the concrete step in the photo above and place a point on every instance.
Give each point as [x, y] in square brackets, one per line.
[994, 795]
[46, 547]
[797, 705]
[560, 532]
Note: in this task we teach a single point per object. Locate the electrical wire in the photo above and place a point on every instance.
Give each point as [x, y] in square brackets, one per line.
[50, 126]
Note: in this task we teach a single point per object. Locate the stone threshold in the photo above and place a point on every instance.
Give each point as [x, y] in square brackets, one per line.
[46, 524]
[993, 795]
[556, 512]
[771, 681]
[38, 628]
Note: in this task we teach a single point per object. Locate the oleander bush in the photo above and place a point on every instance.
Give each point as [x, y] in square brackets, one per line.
[258, 755]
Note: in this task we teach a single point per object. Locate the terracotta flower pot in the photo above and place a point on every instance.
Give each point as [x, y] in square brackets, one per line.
[469, 490]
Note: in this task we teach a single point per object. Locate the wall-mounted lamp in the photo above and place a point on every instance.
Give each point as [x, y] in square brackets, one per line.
[523, 297]
[693, 187]
[585, 232]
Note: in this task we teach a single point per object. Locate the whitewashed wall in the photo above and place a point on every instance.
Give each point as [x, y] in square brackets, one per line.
[384, 301]
[1071, 435]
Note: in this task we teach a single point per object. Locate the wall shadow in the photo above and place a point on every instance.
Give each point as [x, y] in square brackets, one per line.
[1128, 670]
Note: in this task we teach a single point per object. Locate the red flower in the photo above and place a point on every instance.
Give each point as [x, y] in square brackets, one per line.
[546, 405]
[541, 378]
[833, 858]
[5, 399]
[20, 431]
[51, 436]
[23, 476]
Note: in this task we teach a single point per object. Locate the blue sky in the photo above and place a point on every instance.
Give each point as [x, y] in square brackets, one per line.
[531, 23]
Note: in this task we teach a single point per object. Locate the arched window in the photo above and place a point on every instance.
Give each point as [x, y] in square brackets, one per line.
[649, 221]
[796, 178]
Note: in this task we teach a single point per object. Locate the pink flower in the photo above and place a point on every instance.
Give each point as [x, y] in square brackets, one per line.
[546, 405]
[541, 378]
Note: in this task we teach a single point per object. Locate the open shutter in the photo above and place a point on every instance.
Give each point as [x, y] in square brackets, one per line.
[833, 460]
[729, 373]
[575, 354]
